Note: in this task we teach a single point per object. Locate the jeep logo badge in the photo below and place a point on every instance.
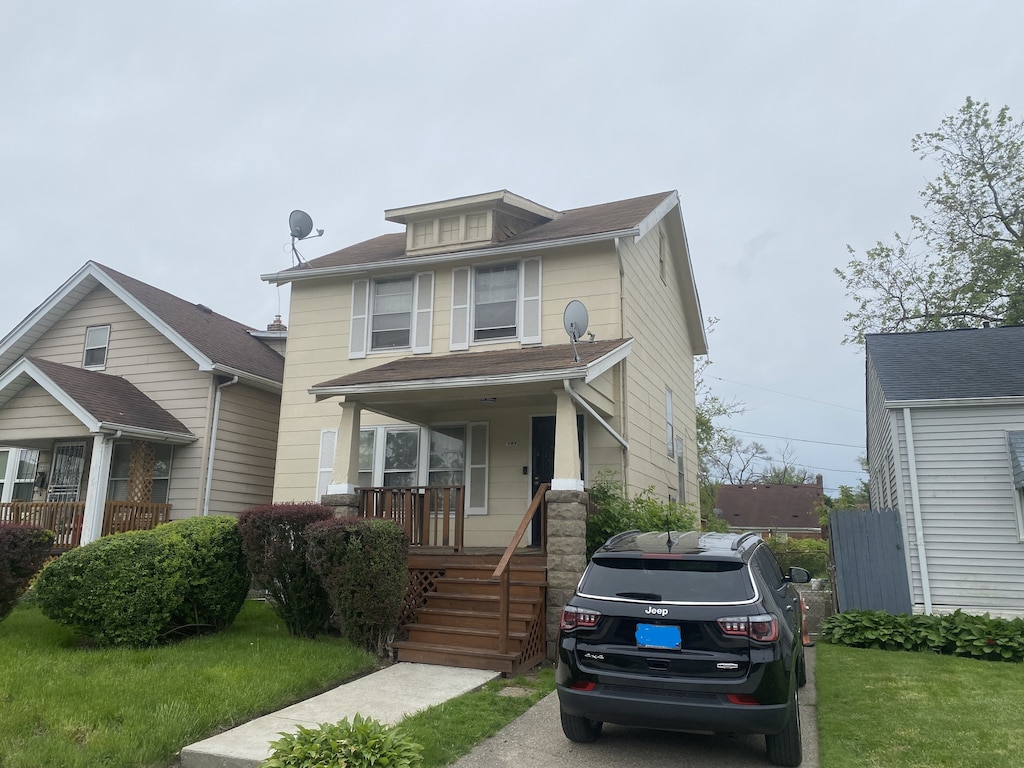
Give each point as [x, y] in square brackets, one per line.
[652, 611]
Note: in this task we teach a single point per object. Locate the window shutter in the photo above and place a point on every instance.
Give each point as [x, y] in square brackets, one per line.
[328, 444]
[476, 470]
[360, 312]
[460, 309]
[423, 313]
[531, 302]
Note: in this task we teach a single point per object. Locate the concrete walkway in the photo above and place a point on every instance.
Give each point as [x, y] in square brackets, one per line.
[387, 695]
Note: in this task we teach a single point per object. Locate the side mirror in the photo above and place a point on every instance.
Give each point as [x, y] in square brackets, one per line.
[799, 575]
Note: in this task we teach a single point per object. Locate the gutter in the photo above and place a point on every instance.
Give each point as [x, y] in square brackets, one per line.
[213, 445]
[915, 496]
[432, 260]
[597, 417]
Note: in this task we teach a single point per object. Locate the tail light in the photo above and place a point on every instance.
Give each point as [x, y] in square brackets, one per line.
[763, 628]
[574, 618]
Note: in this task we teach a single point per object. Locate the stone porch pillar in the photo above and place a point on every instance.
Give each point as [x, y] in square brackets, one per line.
[566, 553]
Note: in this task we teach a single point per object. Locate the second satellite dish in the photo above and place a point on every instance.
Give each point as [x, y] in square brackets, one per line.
[300, 223]
[575, 320]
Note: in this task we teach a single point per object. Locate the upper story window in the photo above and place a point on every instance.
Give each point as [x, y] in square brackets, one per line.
[422, 234]
[391, 321]
[476, 226]
[451, 230]
[495, 302]
[97, 337]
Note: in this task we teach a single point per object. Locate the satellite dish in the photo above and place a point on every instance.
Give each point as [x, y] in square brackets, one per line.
[575, 320]
[300, 224]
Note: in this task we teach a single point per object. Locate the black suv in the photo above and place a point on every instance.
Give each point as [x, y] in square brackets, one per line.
[685, 631]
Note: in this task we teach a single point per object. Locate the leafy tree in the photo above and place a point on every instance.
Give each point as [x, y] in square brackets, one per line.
[962, 263]
[785, 471]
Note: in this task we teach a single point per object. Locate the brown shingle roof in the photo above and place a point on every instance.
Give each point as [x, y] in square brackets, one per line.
[576, 222]
[496, 363]
[110, 399]
[771, 506]
[223, 340]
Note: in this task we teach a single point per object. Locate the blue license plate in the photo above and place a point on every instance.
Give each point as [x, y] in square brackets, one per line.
[658, 636]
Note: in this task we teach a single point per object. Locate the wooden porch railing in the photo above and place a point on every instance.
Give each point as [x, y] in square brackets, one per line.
[430, 515]
[501, 572]
[65, 518]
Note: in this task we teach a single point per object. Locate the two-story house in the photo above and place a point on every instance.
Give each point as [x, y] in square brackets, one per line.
[122, 406]
[437, 357]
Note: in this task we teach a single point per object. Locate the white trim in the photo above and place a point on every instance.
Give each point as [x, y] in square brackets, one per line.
[953, 402]
[566, 484]
[915, 494]
[325, 453]
[531, 304]
[422, 313]
[595, 415]
[358, 343]
[652, 219]
[341, 488]
[432, 260]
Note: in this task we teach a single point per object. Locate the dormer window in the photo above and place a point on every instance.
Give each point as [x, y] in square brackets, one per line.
[97, 337]
[423, 234]
[450, 230]
[476, 226]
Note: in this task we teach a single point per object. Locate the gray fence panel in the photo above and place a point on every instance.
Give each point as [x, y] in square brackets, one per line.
[871, 570]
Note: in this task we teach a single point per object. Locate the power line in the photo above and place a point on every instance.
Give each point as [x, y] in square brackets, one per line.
[787, 394]
[795, 439]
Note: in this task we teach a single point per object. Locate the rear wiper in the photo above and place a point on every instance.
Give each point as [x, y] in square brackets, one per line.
[654, 596]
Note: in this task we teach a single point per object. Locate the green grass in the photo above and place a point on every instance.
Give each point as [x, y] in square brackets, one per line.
[884, 709]
[77, 707]
[449, 730]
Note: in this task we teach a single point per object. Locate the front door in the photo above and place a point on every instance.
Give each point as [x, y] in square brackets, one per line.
[542, 451]
[66, 473]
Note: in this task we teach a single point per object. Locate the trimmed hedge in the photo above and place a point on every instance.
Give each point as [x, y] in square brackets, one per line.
[954, 634]
[141, 587]
[273, 539]
[23, 550]
[209, 551]
[364, 569]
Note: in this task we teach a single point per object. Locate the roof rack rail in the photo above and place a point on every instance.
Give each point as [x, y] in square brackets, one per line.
[739, 542]
[619, 536]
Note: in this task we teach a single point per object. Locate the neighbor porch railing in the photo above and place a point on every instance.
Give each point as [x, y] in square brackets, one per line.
[65, 518]
[430, 515]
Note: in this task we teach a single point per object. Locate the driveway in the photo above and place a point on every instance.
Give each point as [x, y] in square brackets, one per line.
[536, 740]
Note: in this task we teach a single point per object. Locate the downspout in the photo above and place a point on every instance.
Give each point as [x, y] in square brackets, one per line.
[597, 417]
[623, 378]
[915, 499]
[213, 445]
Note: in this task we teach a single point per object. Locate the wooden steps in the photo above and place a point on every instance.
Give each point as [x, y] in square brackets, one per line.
[459, 621]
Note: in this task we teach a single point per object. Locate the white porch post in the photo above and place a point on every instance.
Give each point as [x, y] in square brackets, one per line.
[567, 445]
[345, 473]
[96, 491]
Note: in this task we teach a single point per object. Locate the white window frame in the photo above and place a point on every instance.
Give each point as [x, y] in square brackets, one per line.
[30, 458]
[528, 319]
[421, 316]
[93, 345]
[1018, 492]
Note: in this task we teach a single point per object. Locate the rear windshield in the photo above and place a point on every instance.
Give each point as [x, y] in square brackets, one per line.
[667, 580]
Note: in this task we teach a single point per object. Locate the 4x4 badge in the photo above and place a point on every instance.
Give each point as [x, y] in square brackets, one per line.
[598, 656]
[727, 665]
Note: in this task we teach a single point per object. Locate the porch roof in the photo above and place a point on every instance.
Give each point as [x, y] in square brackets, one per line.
[103, 403]
[459, 370]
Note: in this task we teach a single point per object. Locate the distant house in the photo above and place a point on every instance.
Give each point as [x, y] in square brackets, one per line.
[945, 428]
[122, 406]
[772, 510]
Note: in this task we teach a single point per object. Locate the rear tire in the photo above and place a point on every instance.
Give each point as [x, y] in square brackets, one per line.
[580, 729]
[785, 748]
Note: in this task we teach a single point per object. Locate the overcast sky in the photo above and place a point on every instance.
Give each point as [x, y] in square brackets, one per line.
[170, 141]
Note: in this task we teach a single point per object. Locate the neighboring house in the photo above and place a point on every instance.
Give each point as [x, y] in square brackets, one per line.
[122, 405]
[444, 346]
[772, 510]
[945, 426]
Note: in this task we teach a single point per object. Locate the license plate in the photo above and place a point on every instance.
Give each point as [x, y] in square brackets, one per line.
[658, 636]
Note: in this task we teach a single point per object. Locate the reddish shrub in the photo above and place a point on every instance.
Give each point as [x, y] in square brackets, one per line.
[23, 550]
[275, 549]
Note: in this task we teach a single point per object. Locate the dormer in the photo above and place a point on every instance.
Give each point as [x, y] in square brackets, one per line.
[467, 222]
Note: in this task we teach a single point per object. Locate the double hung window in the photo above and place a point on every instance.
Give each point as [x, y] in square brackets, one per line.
[97, 337]
[496, 302]
[392, 313]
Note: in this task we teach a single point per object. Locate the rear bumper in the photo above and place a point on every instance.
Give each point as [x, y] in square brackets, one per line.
[672, 710]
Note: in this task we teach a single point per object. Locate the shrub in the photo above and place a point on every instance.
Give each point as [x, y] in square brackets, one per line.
[617, 513]
[956, 634]
[209, 553]
[118, 590]
[363, 743]
[812, 554]
[23, 550]
[363, 566]
[275, 549]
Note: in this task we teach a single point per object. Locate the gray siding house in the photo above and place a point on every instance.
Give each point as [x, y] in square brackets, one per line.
[945, 439]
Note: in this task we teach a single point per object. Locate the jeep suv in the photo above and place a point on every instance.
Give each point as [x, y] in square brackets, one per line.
[685, 631]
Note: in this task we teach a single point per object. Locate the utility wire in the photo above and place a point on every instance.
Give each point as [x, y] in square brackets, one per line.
[785, 394]
[795, 439]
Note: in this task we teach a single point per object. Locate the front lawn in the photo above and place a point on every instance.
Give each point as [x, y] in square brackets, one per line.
[77, 707]
[891, 709]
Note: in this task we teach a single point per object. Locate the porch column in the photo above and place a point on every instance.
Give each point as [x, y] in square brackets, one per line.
[96, 490]
[341, 491]
[566, 476]
[566, 556]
